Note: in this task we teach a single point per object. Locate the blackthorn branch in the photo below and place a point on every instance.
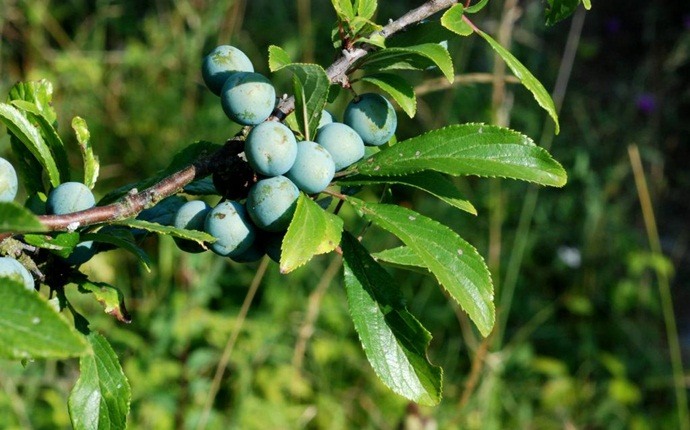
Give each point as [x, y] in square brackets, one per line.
[136, 201]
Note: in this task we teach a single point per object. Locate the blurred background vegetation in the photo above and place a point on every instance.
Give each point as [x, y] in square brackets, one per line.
[580, 341]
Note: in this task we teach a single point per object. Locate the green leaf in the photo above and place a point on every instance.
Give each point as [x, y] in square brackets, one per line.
[28, 167]
[91, 165]
[366, 8]
[197, 236]
[417, 57]
[477, 7]
[400, 256]
[62, 244]
[17, 219]
[526, 78]
[457, 265]
[452, 20]
[311, 91]
[344, 10]
[394, 342]
[110, 297]
[100, 398]
[324, 230]
[277, 58]
[433, 183]
[121, 238]
[28, 134]
[31, 328]
[49, 133]
[587, 4]
[398, 88]
[39, 93]
[558, 10]
[468, 149]
[420, 33]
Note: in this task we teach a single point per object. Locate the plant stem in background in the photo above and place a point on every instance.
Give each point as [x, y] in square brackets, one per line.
[530, 202]
[664, 287]
[230, 345]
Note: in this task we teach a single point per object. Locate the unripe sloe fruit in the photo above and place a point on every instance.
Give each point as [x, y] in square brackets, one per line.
[271, 203]
[248, 98]
[69, 197]
[313, 169]
[273, 243]
[229, 224]
[342, 142]
[326, 118]
[82, 253]
[252, 254]
[221, 63]
[271, 148]
[8, 181]
[13, 269]
[191, 216]
[372, 116]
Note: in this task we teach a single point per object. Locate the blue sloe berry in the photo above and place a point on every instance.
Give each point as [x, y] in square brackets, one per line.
[229, 224]
[191, 216]
[8, 181]
[69, 197]
[248, 98]
[313, 169]
[221, 63]
[271, 203]
[372, 116]
[342, 142]
[13, 269]
[271, 148]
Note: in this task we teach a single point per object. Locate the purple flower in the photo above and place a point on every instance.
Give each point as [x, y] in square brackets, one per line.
[646, 103]
[686, 22]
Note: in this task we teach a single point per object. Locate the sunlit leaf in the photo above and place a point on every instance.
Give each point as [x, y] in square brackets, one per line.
[452, 20]
[195, 235]
[17, 219]
[31, 138]
[417, 57]
[100, 398]
[526, 78]
[32, 328]
[110, 297]
[277, 58]
[312, 231]
[91, 165]
[468, 149]
[456, 264]
[35, 115]
[433, 183]
[62, 244]
[394, 342]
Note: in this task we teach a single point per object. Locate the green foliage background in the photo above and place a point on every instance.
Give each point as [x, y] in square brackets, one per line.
[583, 345]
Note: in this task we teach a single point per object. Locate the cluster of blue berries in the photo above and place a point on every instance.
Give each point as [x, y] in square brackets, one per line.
[250, 223]
[281, 165]
[64, 199]
[9, 267]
